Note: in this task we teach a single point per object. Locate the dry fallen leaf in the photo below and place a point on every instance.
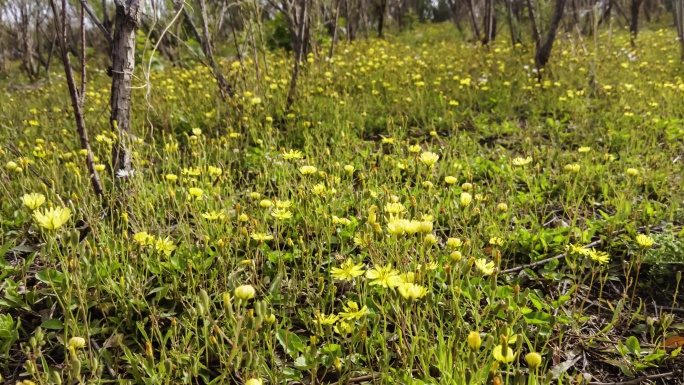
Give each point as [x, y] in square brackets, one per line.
[673, 342]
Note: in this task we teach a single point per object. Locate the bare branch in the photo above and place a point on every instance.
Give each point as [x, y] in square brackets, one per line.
[94, 19]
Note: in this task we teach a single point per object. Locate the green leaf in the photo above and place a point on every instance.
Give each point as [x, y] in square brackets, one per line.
[49, 276]
[537, 318]
[633, 346]
[53, 324]
[291, 342]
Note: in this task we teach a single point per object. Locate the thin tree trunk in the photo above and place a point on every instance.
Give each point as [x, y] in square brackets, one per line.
[224, 87]
[511, 27]
[334, 37]
[381, 17]
[473, 19]
[536, 35]
[128, 16]
[634, 21]
[543, 53]
[60, 28]
[679, 22]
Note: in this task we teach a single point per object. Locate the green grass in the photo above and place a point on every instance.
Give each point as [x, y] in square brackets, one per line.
[591, 154]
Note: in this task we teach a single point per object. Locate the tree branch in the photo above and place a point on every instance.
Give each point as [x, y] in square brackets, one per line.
[94, 19]
[544, 261]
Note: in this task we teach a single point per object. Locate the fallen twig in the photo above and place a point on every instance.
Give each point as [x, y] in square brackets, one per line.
[639, 380]
[543, 261]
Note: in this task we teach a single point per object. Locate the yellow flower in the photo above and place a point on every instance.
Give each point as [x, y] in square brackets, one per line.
[266, 203]
[385, 276]
[348, 271]
[454, 242]
[165, 245]
[52, 218]
[352, 311]
[245, 292]
[467, 186]
[574, 167]
[522, 161]
[323, 319]
[254, 381]
[195, 192]
[77, 342]
[293, 154]
[502, 207]
[33, 200]
[450, 179]
[578, 249]
[474, 340]
[349, 168]
[430, 239]
[533, 359]
[410, 290]
[283, 204]
[429, 158]
[456, 256]
[142, 238]
[485, 267]
[398, 226]
[171, 177]
[243, 217]
[214, 215]
[496, 241]
[632, 171]
[584, 149]
[466, 199]
[343, 328]
[394, 208]
[599, 256]
[11, 166]
[644, 241]
[261, 237]
[504, 357]
[215, 171]
[414, 148]
[307, 170]
[281, 213]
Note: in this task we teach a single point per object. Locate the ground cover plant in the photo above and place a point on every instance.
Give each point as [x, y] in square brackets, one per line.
[428, 211]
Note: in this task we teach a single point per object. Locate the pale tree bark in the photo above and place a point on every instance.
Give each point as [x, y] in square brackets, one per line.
[127, 21]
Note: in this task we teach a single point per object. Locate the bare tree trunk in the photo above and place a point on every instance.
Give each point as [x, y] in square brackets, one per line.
[334, 34]
[511, 21]
[489, 22]
[473, 19]
[634, 20]
[128, 16]
[679, 22]
[224, 88]
[298, 20]
[543, 52]
[382, 9]
[536, 35]
[76, 100]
